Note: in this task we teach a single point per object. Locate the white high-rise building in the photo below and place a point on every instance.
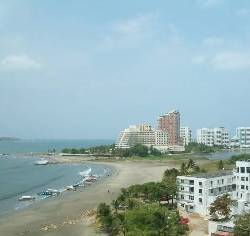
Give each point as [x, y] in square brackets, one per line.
[136, 134]
[161, 138]
[243, 135]
[214, 136]
[186, 135]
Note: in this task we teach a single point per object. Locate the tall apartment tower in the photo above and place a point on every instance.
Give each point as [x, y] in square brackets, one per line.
[170, 123]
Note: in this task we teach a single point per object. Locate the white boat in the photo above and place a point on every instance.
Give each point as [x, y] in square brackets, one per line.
[41, 162]
[26, 198]
[86, 172]
[70, 187]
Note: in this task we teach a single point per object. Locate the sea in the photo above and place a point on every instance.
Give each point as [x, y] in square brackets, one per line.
[20, 177]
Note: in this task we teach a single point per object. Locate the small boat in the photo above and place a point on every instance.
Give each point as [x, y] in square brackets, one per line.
[26, 198]
[49, 192]
[70, 187]
[41, 162]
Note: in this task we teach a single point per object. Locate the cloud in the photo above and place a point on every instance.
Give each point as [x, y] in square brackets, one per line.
[210, 3]
[19, 62]
[213, 41]
[199, 60]
[231, 61]
[134, 26]
[243, 12]
[129, 31]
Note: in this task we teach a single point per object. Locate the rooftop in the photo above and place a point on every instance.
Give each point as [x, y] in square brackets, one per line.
[212, 175]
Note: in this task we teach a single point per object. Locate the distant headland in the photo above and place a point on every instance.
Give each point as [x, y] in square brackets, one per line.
[9, 139]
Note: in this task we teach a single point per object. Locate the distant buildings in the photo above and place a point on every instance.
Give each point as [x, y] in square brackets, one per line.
[214, 136]
[185, 135]
[243, 136]
[136, 134]
[170, 122]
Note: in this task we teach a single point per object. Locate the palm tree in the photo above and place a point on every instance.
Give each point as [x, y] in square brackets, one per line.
[191, 164]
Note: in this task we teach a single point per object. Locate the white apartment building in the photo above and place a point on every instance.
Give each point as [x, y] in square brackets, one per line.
[186, 135]
[197, 192]
[214, 136]
[243, 135]
[136, 134]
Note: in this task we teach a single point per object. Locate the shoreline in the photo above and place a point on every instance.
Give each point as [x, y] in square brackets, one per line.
[64, 215]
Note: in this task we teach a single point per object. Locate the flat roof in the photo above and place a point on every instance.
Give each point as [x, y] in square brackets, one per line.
[212, 175]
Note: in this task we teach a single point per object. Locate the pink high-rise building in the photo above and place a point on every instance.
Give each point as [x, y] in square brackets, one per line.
[170, 122]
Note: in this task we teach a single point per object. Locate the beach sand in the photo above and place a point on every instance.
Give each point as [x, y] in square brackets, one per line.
[66, 215]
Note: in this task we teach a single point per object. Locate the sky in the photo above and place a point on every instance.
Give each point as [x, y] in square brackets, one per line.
[88, 69]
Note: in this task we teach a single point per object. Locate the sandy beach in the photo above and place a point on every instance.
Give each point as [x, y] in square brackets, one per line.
[66, 215]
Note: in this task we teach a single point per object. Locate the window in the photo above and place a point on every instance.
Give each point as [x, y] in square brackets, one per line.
[242, 178]
[246, 178]
[211, 183]
[246, 187]
[182, 188]
[218, 181]
[191, 197]
[222, 181]
[200, 183]
[219, 189]
[242, 186]
[191, 189]
[200, 190]
[191, 182]
[182, 180]
[191, 207]
[237, 169]
[211, 190]
[200, 200]
[248, 170]
[242, 169]
[182, 196]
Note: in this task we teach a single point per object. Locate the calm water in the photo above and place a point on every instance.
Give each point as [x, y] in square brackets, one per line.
[19, 176]
[27, 146]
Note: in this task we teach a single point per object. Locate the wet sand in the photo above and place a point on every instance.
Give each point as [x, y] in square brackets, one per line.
[65, 215]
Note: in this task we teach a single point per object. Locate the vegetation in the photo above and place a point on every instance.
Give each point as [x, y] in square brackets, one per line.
[147, 209]
[201, 148]
[241, 157]
[242, 225]
[220, 209]
[220, 165]
[137, 150]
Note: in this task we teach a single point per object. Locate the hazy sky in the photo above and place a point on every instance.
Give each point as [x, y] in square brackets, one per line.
[87, 69]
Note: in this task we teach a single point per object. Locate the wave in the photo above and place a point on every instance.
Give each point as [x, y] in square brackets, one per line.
[86, 172]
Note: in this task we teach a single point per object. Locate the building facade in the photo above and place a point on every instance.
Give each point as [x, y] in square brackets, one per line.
[186, 135]
[161, 138]
[214, 136]
[170, 123]
[243, 135]
[197, 192]
[136, 134]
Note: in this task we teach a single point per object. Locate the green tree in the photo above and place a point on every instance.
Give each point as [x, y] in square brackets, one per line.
[220, 209]
[220, 165]
[242, 225]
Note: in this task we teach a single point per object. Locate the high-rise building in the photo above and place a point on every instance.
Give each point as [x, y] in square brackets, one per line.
[170, 123]
[136, 134]
[214, 136]
[243, 135]
[186, 135]
[161, 138]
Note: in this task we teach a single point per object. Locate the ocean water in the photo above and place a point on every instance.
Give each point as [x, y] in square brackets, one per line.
[19, 176]
[43, 145]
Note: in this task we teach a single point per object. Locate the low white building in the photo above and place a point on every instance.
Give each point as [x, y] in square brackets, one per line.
[197, 192]
[214, 136]
[186, 135]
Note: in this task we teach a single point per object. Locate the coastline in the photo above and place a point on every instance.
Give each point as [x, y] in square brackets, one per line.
[66, 215]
